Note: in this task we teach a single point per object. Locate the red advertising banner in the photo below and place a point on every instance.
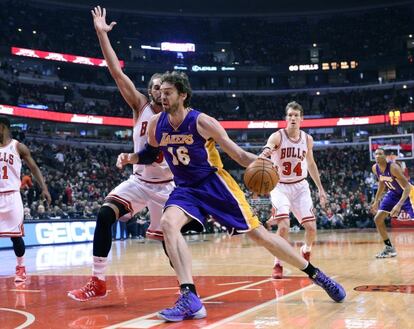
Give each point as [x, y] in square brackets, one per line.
[403, 220]
[65, 117]
[60, 57]
[309, 123]
[127, 122]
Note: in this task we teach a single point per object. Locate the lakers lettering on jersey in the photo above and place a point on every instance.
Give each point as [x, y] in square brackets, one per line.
[157, 171]
[10, 167]
[190, 156]
[290, 157]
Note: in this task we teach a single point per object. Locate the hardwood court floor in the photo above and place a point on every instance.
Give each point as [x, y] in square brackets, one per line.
[232, 277]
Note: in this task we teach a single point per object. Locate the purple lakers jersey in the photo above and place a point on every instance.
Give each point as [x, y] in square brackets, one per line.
[190, 157]
[388, 179]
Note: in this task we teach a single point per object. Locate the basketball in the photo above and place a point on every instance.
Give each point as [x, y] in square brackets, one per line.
[261, 176]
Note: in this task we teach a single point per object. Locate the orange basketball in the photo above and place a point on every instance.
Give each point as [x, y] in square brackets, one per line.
[261, 176]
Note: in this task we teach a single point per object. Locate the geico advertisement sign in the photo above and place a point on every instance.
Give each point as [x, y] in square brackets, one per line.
[49, 233]
[62, 256]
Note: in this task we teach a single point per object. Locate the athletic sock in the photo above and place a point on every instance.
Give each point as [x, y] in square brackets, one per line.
[20, 261]
[307, 248]
[99, 267]
[310, 270]
[277, 262]
[188, 286]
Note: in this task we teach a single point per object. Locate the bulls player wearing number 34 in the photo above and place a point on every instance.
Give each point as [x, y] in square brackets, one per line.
[291, 152]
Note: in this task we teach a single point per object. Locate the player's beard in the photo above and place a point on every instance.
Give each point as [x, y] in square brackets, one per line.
[157, 101]
[173, 108]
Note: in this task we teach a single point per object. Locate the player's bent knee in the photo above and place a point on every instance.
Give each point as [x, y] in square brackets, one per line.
[18, 246]
[169, 225]
[380, 217]
[106, 215]
[283, 230]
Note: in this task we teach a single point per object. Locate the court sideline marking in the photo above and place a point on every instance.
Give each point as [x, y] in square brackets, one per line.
[115, 326]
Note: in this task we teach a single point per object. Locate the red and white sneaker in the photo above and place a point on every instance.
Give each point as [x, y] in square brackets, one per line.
[305, 254]
[277, 272]
[95, 288]
[20, 274]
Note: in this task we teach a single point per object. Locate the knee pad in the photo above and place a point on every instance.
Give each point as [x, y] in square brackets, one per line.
[106, 216]
[18, 246]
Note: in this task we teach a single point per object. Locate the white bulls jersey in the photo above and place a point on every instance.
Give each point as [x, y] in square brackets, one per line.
[290, 157]
[157, 171]
[10, 167]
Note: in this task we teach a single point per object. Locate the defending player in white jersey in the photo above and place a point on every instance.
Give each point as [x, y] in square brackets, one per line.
[291, 150]
[149, 186]
[11, 206]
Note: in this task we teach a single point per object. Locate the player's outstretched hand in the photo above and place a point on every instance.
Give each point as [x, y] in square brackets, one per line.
[126, 158]
[395, 211]
[45, 194]
[99, 20]
[266, 153]
[322, 198]
[374, 208]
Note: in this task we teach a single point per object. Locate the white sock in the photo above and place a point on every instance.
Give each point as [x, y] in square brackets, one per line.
[99, 267]
[307, 248]
[277, 261]
[20, 261]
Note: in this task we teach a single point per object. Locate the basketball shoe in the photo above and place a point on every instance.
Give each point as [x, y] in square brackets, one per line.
[277, 272]
[95, 288]
[305, 254]
[187, 307]
[332, 288]
[20, 274]
[387, 252]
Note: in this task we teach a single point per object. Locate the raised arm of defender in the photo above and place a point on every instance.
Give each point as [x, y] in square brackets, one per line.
[132, 96]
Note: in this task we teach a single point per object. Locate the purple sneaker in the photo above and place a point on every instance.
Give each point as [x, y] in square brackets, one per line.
[332, 288]
[187, 307]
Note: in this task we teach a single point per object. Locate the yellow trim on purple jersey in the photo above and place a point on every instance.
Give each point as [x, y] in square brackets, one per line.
[411, 196]
[234, 188]
[213, 156]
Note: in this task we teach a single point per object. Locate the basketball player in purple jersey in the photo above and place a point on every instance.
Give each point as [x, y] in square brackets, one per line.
[149, 186]
[400, 195]
[188, 140]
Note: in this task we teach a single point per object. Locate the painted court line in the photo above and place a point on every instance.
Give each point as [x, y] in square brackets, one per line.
[24, 290]
[30, 318]
[144, 317]
[231, 283]
[254, 309]
[258, 307]
[143, 324]
[167, 288]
